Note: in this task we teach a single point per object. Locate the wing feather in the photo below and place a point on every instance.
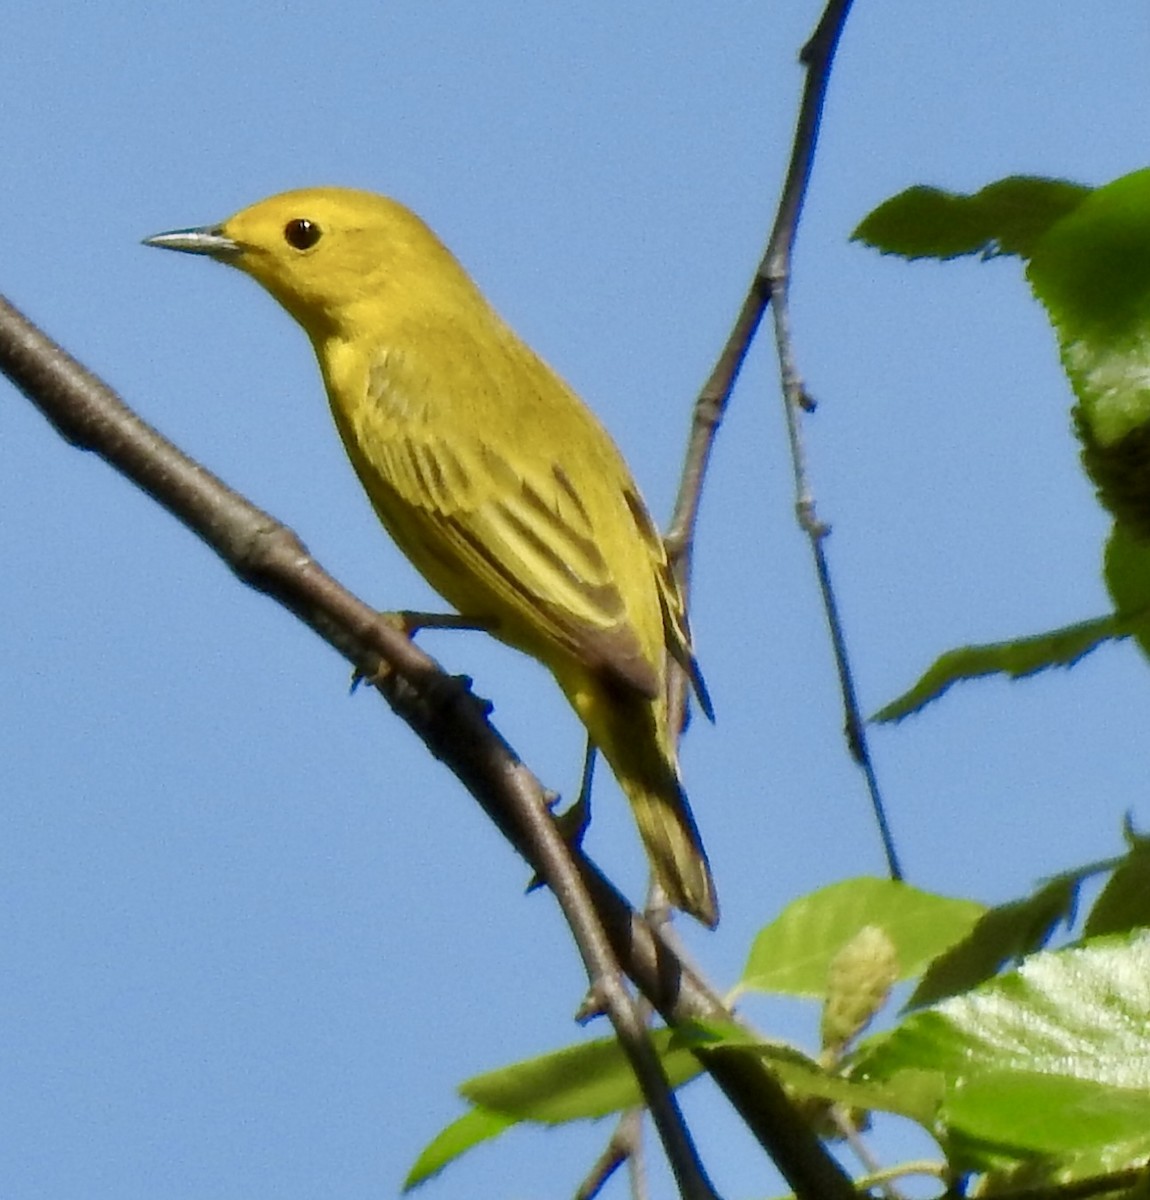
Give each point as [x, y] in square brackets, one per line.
[509, 541]
[537, 544]
[671, 602]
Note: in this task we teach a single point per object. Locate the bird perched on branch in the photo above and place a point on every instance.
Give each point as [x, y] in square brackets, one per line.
[493, 478]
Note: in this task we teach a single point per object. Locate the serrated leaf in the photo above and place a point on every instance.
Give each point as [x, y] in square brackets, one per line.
[1063, 1038]
[1016, 659]
[580, 1082]
[1091, 270]
[1050, 1064]
[1004, 933]
[476, 1126]
[1006, 217]
[793, 954]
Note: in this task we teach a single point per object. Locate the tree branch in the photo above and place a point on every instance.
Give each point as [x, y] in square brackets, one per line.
[269, 557]
[775, 273]
[625, 1145]
[442, 711]
[770, 286]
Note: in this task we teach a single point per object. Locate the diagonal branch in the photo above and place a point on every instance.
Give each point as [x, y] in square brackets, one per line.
[625, 1145]
[557, 867]
[270, 558]
[451, 722]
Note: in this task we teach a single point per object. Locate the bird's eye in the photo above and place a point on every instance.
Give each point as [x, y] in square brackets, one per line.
[302, 233]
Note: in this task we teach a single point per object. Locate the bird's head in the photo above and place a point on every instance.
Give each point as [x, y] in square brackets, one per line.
[333, 257]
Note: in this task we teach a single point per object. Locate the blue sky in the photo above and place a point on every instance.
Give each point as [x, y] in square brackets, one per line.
[252, 936]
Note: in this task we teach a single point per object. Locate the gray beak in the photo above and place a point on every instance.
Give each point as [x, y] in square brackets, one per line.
[207, 239]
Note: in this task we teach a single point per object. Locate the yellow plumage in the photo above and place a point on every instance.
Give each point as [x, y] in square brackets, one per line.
[493, 478]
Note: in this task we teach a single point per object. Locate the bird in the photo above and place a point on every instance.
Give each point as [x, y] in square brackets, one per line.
[496, 481]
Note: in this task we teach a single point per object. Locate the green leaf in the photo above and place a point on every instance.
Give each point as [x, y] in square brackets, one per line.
[913, 1094]
[1124, 903]
[1016, 658]
[1077, 1013]
[478, 1125]
[1050, 1060]
[1009, 931]
[1127, 573]
[793, 954]
[1091, 270]
[580, 1082]
[1088, 253]
[916, 1095]
[1128, 1155]
[1007, 217]
[1020, 1114]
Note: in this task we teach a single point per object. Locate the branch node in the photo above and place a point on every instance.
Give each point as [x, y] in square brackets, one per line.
[809, 521]
[593, 1004]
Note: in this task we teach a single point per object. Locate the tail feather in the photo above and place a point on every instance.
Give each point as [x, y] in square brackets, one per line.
[631, 732]
[673, 845]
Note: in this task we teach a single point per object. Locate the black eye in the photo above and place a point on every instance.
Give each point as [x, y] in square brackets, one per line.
[302, 233]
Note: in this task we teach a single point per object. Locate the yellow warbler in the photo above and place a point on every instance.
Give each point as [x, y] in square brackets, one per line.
[493, 478]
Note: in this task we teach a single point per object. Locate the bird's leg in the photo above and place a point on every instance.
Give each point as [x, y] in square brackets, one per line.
[573, 821]
[410, 623]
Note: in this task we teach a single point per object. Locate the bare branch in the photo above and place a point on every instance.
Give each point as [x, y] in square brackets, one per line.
[625, 1145]
[557, 868]
[775, 273]
[440, 709]
[269, 557]
[770, 286]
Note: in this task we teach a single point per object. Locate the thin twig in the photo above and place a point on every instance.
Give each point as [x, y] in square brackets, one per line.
[452, 724]
[876, 1176]
[412, 622]
[770, 286]
[931, 1168]
[637, 1162]
[775, 272]
[625, 1145]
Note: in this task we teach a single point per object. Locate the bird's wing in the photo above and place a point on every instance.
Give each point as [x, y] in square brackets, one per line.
[513, 543]
[676, 630]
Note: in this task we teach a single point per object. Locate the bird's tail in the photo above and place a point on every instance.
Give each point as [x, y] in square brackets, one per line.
[673, 845]
[631, 739]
